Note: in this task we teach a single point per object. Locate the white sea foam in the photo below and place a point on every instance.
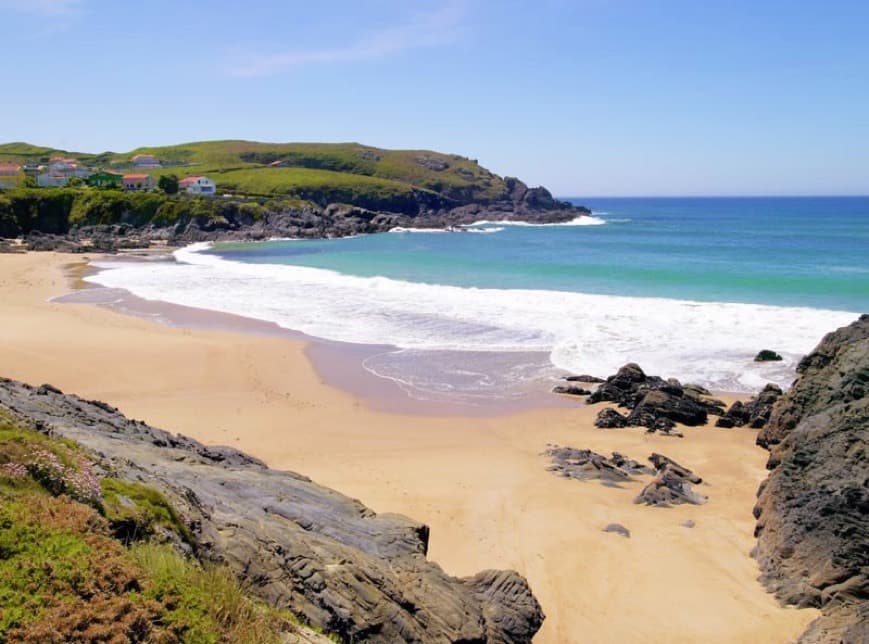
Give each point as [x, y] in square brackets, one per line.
[485, 231]
[402, 230]
[706, 342]
[459, 229]
[583, 220]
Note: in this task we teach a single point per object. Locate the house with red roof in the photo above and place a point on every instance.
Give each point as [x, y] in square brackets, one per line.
[197, 186]
[137, 182]
[60, 170]
[9, 176]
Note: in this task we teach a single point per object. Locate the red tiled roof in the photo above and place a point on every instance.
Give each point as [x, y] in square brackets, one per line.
[186, 181]
[9, 168]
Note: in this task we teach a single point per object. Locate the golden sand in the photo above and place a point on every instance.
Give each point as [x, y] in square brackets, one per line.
[481, 483]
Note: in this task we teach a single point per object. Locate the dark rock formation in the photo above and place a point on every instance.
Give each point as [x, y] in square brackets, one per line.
[326, 557]
[584, 378]
[583, 464]
[653, 402]
[10, 247]
[671, 486]
[619, 529]
[570, 390]
[812, 528]
[755, 413]
[767, 355]
[609, 418]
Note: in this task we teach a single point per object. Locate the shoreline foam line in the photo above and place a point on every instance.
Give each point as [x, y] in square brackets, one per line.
[712, 343]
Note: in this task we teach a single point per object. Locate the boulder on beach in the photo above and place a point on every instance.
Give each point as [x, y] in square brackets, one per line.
[570, 390]
[755, 413]
[671, 486]
[653, 402]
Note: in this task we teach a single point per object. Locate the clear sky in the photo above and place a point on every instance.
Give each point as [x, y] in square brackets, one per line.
[587, 97]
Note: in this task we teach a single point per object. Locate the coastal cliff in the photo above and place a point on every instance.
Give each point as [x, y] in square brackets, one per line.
[812, 528]
[265, 191]
[326, 558]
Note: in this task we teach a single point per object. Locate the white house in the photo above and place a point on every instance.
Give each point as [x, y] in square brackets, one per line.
[68, 168]
[146, 162]
[197, 186]
[59, 172]
[135, 182]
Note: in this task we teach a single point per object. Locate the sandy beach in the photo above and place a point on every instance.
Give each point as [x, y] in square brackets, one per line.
[479, 482]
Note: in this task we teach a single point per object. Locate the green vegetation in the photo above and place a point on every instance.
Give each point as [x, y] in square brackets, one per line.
[168, 183]
[136, 512]
[207, 604]
[318, 172]
[63, 577]
[57, 210]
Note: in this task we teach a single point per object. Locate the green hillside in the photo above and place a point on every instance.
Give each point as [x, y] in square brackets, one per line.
[319, 172]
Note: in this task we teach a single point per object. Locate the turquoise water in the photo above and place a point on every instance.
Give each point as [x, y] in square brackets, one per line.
[690, 288]
[810, 252]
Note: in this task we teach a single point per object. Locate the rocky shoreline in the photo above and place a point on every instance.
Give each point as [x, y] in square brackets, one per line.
[333, 562]
[812, 527]
[234, 223]
[813, 510]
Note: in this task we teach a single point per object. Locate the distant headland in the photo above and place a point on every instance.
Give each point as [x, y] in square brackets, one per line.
[247, 190]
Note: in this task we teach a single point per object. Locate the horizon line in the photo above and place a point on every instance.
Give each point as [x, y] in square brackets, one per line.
[723, 196]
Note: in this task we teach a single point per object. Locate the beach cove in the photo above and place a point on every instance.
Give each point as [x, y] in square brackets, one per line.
[480, 483]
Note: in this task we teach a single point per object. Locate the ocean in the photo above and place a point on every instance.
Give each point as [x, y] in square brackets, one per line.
[690, 288]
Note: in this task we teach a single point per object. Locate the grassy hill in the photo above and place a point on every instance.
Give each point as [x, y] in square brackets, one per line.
[318, 172]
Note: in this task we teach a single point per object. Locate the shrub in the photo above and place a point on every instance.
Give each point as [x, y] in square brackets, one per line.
[135, 511]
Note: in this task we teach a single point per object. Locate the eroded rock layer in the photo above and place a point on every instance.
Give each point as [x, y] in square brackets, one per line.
[329, 559]
[813, 510]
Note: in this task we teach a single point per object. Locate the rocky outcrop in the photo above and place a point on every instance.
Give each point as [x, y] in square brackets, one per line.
[755, 413]
[327, 558]
[671, 485]
[585, 465]
[312, 222]
[653, 402]
[570, 390]
[812, 527]
[584, 378]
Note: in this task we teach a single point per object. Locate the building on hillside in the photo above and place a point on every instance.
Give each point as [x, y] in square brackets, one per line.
[68, 168]
[106, 179]
[32, 169]
[10, 175]
[59, 172]
[146, 162]
[197, 186]
[136, 182]
[51, 180]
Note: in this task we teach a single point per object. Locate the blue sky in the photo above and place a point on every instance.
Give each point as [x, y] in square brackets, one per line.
[587, 97]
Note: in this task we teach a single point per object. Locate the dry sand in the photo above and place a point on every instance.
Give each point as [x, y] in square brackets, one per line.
[480, 483]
